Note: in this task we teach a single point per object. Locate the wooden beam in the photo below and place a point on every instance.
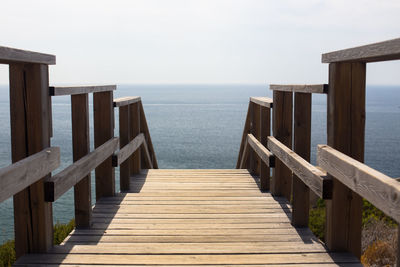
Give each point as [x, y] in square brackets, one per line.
[300, 88]
[125, 152]
[265, 155]
[383, 51]
[11, 55]
[80, 148]
[124, 138]
[245, 155]
[265, 131]
[104, 131]
[282, 129]
[27, 171]
[147, 155]
[144, 128]
[246, 131]
[313, 177]
[60, 183]
[262, 101]
[123, 101]
[135, 128]
[76, 90]
[255, 131]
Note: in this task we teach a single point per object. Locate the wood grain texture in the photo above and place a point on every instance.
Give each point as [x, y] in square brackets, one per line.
[255, 131]
[135, 129]
[300, 88]
[124, 138]
[262, 101]
[265, 131]
[124, 101]
[266, 156]
[76, 90]
[27, 171]
[60, 183]
[379, 189]
[382, 51]
[125, 152]
[11, 55]
[80, 148]
[103, 113]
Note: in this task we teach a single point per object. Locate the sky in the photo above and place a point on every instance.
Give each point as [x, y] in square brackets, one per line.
[203, 41]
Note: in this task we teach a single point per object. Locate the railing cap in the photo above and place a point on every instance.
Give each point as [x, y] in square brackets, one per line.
[11, 55]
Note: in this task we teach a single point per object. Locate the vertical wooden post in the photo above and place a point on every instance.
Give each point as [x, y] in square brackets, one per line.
[124, 138]
[256, 132]
[80, 148]
[346, 133]
[251, 158]
[30, 133]
[244, 136]
[302, 144]
[282, 130]
[265, 131]
[104, 131]
[134, 131]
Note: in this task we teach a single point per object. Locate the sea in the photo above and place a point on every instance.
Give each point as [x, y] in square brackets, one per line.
[200, 126]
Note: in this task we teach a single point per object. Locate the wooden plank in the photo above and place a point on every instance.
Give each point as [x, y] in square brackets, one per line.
[313, 177]
[262, 101]
[265, 131]
[135, 129]
[379, 189]
[282, 130]
[27, 171]
[300, 88]
[60, 183]
[124, 101]
[124, 138]
[80, 148]
[302, 146]
[145, 129]
[246, 131]
[11, 55]
[103, 112]
[76, 90]
[266, 156]
[382, 51]
[30, 133]
[255, 130]
[346, 132]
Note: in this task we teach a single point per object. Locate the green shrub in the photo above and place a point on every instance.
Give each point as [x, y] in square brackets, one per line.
[317, 220]
[61, 231]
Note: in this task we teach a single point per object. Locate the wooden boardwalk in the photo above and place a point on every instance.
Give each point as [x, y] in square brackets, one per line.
[191, 217]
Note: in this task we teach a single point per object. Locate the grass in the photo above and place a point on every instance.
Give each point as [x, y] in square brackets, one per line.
[7, 250]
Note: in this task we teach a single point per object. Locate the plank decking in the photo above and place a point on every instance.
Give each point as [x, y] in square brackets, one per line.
[191, 217]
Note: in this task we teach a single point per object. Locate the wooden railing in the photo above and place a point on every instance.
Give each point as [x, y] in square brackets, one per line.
[29, 178]
[341, 179]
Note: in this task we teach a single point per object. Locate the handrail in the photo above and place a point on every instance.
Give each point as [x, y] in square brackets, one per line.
[382, 51]
[60, 183]
[125, 152]
[75, 90]
[265, 155]
[145, 129]
[262, 101]
[27, 171]
[11, 55]
[123, 101]
[313, 177]
[379, 189]
[301, 88]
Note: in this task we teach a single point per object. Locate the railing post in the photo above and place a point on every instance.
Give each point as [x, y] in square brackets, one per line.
[104, 131]
[255, 130]
[282, 130]
[80, 148]
[265, 131]
[346, 132]
[135, 159]
[30, 133]
[124, 139]
[302, 144]
[246, 131]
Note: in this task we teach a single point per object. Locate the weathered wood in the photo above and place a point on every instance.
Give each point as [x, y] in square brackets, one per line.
[379, 189]
[124, 101]
[262, 101]
[300, 88]
[282, 130]
[135, 128]
[302, 146]
[125, 152]
[27, 171]
[147, 156]
[266, 156]
[382, 51]
[11, 55]
[265, 131]
[245, 155]
[76, 90]
[60, 183]
[80, 148]
[313, 177]
[103, 131]
[145, 129]
[345, 126]
[30, 133]
[246, 131]
[124, 138]
[255, 131]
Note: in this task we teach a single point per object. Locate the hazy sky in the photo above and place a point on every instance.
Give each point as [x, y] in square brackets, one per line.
[185, 41]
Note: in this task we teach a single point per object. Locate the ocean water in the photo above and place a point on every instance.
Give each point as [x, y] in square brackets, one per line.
[200, 126]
